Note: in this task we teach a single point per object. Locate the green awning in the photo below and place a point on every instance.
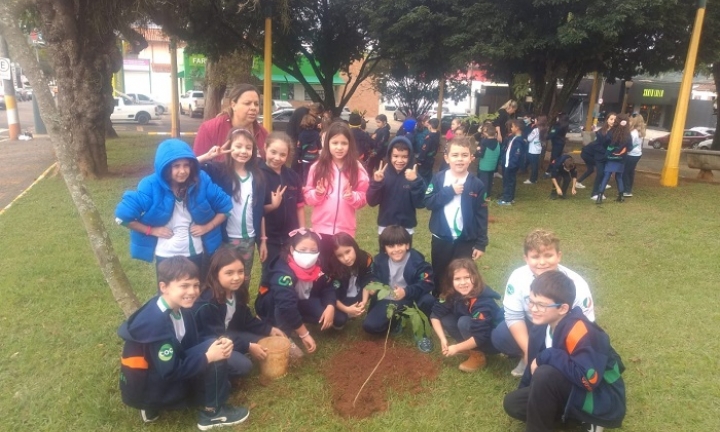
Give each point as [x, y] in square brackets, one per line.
[279, 76]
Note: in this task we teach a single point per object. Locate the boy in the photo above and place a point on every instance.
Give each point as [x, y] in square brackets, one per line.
[163, 361]
[459, 214]
[542, 253]
[488, 156]
[397, 188]
[380, 138]
[428, 150]
[362, 139]
[511, 163]
[562, 170]
[574, 371]
[407, 273]
[421, 132]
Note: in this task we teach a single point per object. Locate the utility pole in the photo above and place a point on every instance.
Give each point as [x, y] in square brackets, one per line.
[9, 90]
[267, 72]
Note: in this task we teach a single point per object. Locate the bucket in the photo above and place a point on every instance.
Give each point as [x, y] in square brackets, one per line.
[278, 354]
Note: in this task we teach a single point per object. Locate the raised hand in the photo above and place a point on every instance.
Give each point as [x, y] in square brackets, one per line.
[458, 187]
[320, 188]
[411, 174]
[277, 196]
[348, 193]
[379, 175]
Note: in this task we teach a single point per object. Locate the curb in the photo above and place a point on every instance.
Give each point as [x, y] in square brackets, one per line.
[37, 180]
[168, 133]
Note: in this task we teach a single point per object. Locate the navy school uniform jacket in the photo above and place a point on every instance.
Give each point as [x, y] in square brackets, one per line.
[281, 289]
[154, 202]
[418, 274]
[364, 277]
[618, 151]
[511, 158]
[556, 167]
[428, 150]
[282, 220]
[210, 318]
[483, 310]
[156, 368]
[309, 145]
[472, 205]
[397, 197]
[581, 351]
[600, 145]
[382, 137]
[364, 143]
[216, 173]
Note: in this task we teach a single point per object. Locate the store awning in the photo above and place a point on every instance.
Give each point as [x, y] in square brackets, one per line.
[279, 76]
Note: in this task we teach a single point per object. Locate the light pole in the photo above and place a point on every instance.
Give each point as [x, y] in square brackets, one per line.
[267, 73]
[628, 86]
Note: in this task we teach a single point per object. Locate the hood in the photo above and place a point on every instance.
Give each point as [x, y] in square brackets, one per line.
[409, 125]
[403, 139]
[488, 292]
[490, 143]
[171, 150]
[142, 325]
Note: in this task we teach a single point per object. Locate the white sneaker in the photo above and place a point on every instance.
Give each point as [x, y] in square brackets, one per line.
[594, 197]
[519, 369]
[625, 194]
[592, 428]
[608, 187]
[579, 185]
[527, 182]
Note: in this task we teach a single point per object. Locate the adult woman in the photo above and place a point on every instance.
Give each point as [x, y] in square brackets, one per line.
[504, 114]
[242, 113]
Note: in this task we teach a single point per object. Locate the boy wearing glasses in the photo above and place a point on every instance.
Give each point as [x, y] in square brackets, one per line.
[574, 372]
[542, 254]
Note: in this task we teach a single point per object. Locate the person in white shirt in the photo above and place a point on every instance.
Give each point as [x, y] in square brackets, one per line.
[637, 132]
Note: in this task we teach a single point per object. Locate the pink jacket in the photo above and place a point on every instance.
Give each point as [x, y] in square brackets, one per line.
[214, 132]
[332, 212]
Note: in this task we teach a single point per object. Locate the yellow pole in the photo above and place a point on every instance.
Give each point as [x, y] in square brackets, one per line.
[174, 94]
[591, 103]
[267, 73]
[670, 171]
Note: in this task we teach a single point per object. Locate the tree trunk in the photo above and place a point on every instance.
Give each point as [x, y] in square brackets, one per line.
[77, 126]
[716, 78]
[215, 89]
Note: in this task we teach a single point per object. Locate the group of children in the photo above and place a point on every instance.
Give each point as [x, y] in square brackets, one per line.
[201, 220]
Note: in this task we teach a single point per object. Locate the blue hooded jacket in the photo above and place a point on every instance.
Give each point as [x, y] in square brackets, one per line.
[153, 202]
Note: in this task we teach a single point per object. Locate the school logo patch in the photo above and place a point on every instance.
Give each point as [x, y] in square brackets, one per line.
[336, 284]
[429, 189]
[478, 315]
[285, 281]
[510, 290]
[587, 303]
[165, 353]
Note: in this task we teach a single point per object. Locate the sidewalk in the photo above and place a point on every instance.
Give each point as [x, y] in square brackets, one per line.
[22, 163]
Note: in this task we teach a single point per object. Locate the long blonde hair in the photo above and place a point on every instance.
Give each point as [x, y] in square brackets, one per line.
[638, 123]
[509, 104]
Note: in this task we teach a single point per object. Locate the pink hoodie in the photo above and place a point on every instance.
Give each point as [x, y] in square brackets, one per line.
[332, 212]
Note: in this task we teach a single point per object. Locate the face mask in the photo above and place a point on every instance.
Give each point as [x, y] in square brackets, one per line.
[304, 259]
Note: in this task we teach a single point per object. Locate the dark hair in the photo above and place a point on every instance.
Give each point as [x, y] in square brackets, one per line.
[381, 117]
[296, 239]
[463, 127]
[235, 93]
[399, 144]
[515, 122]
[191, 180]
[569, 163]
[324, 165]
[394, 235]
[308, 121]
[562, 123]
[337, 269]
[251, 165]
[605, 127]
[223, 257]
[176, 268]
[556, 286]
[434, 123]
[541, 123]
[620, 134]
[448, 288]
[315, 107]
[280, 136]
[355, 119]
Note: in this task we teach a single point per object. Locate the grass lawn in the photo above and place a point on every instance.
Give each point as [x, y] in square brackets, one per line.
[652, 265]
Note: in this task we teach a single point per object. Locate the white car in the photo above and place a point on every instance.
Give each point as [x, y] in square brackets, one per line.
[705, 130]
[143, 99]
[705, 145]
[127, 110]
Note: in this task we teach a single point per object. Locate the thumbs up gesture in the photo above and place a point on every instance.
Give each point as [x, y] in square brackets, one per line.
[411, 174]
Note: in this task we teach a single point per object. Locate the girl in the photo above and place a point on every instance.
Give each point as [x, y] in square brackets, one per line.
[620, 144]
[535, 144]
[309, 143]
[468, 312]
[222, 310]
[336, 186]
[602, 138]
[240, 177]
[298, 292]
[352, 267]
[460, 131]
[454, 124]
[637, 132]
[178, 210]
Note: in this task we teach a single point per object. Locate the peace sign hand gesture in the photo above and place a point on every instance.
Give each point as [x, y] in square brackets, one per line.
[411, 174]
[214, 152]
[277, 196]
[320, 188]
[379, 175]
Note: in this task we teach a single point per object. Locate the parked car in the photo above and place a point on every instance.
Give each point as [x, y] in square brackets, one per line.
[21, 94]
[705, 145]
[702, 129]
[433, 112]
[399, 115]
[143, 99]
[281, 118]
[192, 102]
[690, 139]
[126, 110]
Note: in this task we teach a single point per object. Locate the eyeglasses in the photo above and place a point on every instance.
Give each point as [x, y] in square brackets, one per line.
[540, 307]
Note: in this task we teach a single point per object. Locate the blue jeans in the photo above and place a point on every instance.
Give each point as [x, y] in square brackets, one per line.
[629, 172]
[600, 169]
[239, 364]
[458, 327]
[509, 182]
[534, 161]
[377, 322]
[504, 342]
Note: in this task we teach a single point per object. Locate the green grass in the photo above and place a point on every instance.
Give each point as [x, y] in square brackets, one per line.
[651, 264]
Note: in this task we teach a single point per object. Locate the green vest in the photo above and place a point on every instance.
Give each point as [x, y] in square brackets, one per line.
[489, 160]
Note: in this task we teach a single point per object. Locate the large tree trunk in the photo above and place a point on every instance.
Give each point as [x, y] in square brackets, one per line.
[716, 78]
[215, 90]
[76, 127]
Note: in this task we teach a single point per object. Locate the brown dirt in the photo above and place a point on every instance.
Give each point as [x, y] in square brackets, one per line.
[402, 371]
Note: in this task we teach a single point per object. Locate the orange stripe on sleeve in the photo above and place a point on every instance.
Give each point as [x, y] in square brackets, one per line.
[135, 362]
[578, 332]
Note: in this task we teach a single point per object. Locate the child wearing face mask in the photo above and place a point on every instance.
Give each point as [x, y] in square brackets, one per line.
[298, 292]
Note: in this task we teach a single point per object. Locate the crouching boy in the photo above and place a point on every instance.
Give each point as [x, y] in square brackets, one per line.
[164, 363]
[574, 373]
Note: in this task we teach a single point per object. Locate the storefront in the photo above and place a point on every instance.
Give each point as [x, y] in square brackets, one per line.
[655, 101]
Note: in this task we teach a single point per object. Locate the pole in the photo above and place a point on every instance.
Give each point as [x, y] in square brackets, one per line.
[10, 101]
[40, 128]
[625, 99]
[670, 171]
[441, 96]
[174, 96]
[267, 72]
[591, 102]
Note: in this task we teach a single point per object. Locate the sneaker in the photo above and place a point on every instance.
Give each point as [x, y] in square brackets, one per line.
[497, 175]
[504, 203]
[224, 416]
[579, 185]
[587, 427]
[149, 415]
[594, 197]
[519, 369]
[528, 182]
[295, 351]
[626, 194]
[474, 362]
[424, 344]
[608, 187]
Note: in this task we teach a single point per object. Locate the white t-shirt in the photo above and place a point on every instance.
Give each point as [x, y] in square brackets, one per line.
[517, 291]
[240, 223]
[182, 243]
[177, 320]
[452, 210]
[231, 307]
[535, 146]
[637, 143]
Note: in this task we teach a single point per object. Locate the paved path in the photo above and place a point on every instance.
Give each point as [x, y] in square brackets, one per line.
[21, 163]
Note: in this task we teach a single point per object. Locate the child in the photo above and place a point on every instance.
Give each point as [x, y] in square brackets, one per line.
[363, 143]
[352, 267]
[298, 291]
[574, 372]
[240, 177]
[308, 144]
[164, 362]
[588, 156]
[408, 129]
[460, 132]
[336, 186]
[620, 144]
[286, 211]
[397, 188]
[557, 134]
[428, 150]
[637, 133]
[542, 253]
[563, 170]
[381, 137]
[454, 124]
[421, 132]
[511, 163]
[407, 273]
[535, 144]
[177, 211]
[488, 156]
[467, 310]
[459, 215]
[602, 140]
[223, 311]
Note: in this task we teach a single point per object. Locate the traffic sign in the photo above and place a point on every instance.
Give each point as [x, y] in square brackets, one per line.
[5, 72]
